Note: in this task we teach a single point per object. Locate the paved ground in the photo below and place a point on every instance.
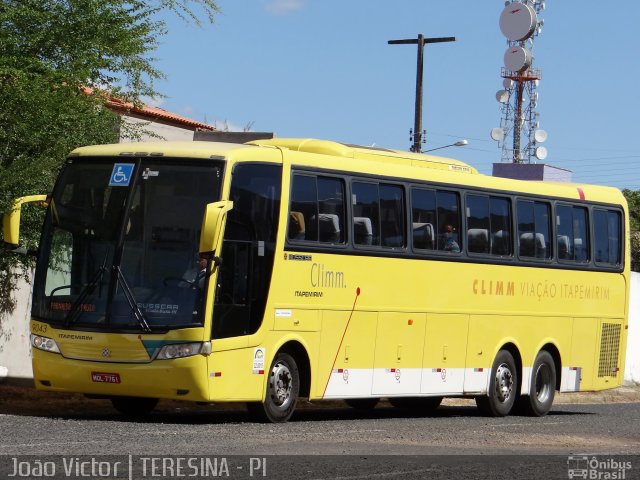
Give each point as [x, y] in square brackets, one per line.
[20, 399]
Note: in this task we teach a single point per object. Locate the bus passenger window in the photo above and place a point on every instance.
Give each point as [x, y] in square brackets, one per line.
[392, 215]
[423, 216]
[448, 208]
[572, 233]
[331, 210]
[303, 212]
[500, 219]
[378, 214]
[607, 230]
[533, 229]
[317, 209]
[366, 214]
[478, 223]
[489, 225]
[435, 216]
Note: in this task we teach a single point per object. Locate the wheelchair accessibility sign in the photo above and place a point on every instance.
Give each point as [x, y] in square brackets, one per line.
[121, 175]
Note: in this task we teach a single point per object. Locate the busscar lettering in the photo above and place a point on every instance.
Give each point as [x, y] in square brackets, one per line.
[162, 308]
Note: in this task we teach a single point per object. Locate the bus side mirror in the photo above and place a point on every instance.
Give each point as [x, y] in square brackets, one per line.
[212, 224]
[11, 220]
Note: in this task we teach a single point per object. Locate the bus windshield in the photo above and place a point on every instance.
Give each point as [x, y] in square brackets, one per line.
[120, 244]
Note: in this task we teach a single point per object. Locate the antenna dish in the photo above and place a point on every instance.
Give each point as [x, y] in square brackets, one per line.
[507, 83]
[502, 96]
[541, 153]
[540, 136]
[517, 59]
[497, 134]
[518, 21]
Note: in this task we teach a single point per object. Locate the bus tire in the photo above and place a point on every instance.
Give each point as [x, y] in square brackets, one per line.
[424, 404]
[503, 387]
[283, 386]
[362, 403]
[134, 406]
[542, 389]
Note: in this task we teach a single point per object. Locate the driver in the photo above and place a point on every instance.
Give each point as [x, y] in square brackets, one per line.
[197, 275]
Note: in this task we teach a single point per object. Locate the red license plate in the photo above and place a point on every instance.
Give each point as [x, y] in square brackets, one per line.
[102, 377]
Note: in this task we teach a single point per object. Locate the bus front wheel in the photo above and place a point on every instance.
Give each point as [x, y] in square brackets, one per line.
[503, 387]
[134, 406]
[542, 389]
[283, 386]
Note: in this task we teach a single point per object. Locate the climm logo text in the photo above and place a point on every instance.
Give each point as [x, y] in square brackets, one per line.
[322, 277]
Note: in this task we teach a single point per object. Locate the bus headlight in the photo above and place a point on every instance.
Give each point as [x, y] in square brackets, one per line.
[179, 350]
[44, 343]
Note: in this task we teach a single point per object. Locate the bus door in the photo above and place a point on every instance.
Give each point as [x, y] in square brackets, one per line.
[244, 276]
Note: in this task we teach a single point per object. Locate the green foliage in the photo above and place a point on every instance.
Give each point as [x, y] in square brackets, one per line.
[57, 60]
[633, 199]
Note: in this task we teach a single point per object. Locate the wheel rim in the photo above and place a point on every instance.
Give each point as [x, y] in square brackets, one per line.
[280, 385]
[504, 383]
[543, 379]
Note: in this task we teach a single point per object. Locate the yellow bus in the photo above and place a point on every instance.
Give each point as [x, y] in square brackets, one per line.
[287, 268]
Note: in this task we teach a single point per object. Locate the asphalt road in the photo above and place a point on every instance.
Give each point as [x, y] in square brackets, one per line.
[338, 442]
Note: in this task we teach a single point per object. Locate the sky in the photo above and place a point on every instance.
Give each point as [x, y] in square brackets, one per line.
[323, 69]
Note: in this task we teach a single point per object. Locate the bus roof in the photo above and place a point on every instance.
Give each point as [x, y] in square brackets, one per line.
[328, 154]
[359, 152]
[183, 149]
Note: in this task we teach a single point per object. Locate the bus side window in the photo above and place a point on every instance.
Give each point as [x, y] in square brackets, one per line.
[366, 212]
[478, 223]
[500, 220]
[571, 233]
[534, 227]
[392, 216]
[317, 211]
[607, 230]
[448, 208]
[423, 216]
[331, 210]
[303, 211]
[489, 224]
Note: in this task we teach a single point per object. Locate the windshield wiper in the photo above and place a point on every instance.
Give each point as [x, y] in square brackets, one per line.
[131, 300]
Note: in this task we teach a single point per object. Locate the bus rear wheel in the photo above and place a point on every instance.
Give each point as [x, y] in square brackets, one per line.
[134, 406]
[542, 389]
[503, 387]
[283, 386]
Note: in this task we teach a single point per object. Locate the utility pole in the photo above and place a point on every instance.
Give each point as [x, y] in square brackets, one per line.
[416, 134]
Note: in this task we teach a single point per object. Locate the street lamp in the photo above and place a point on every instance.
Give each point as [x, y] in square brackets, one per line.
[459, 143]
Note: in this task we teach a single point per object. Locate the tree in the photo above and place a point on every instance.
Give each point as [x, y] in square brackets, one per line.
[633, 199]
[57, 60]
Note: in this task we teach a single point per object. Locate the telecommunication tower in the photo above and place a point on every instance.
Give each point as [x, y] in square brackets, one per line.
[519, 134]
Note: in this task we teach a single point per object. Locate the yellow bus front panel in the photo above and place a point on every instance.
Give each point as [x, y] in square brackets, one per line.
[181, 378]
